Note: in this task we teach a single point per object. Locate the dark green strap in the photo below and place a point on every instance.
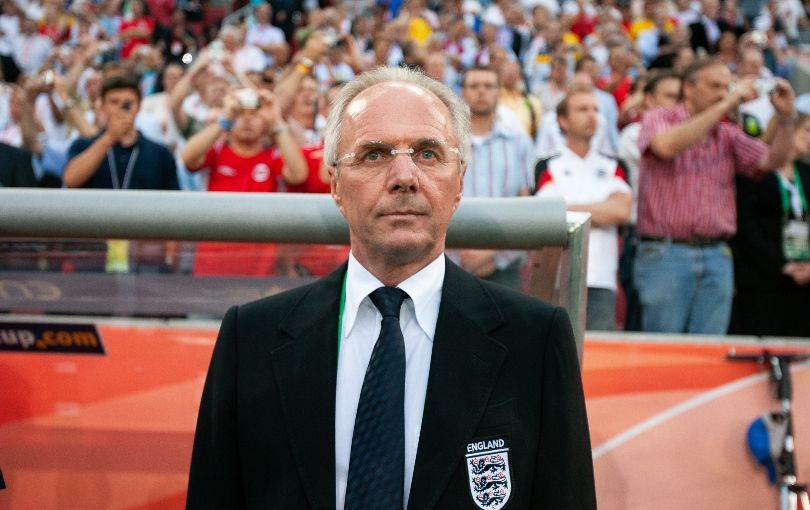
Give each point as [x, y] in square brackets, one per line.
[785, 193]
[340, 313]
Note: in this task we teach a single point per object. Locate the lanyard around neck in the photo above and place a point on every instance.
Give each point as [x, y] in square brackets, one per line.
[133, 157]
[785, 193]
[340, 312]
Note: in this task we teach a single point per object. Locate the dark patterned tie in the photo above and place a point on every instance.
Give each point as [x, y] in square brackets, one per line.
[377, 463]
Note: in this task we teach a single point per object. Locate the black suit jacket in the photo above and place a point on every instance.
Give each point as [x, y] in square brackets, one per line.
[503, 366]
[699, 39]
[15, 168]
[757, 246]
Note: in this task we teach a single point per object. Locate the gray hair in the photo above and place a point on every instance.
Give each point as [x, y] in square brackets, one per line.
[459, 112]
[232, 31]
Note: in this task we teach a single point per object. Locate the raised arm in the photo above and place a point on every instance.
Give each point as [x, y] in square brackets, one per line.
[670, 143]
[303, 61]
[29, 125]
[71, 111]
[295, 170]
[782, 99]
[84, 165]
[183, 89]
[198, 145]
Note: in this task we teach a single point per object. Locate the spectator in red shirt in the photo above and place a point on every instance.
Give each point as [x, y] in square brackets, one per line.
[244, 163]
[316, 260]
[305, 120]
[136, 31]
[687, 208]
[619, 83]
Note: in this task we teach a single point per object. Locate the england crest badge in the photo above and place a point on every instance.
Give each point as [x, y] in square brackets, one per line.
[488, 473]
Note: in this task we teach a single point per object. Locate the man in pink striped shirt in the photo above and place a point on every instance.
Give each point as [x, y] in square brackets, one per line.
[686, 208]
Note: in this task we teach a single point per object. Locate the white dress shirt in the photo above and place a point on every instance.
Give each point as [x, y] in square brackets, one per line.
[360, 329]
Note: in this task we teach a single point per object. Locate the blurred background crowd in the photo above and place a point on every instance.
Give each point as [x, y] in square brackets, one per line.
[220, 95]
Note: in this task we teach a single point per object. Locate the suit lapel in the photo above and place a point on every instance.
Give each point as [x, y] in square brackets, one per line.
[305, 370]
[463, 369]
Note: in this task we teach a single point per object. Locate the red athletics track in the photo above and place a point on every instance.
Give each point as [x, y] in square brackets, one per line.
[668, 422]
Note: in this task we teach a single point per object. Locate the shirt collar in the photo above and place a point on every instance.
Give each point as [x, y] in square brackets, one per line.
[424, 289]
[568, 153]
[501, 129]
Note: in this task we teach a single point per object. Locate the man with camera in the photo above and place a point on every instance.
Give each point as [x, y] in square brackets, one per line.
[686, 204]
[244, 162]
[120, 157]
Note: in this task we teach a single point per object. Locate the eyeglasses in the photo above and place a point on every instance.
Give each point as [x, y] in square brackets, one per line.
[426, 154]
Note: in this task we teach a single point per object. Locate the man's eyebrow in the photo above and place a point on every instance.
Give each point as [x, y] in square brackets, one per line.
[379, 144]
[372, 144]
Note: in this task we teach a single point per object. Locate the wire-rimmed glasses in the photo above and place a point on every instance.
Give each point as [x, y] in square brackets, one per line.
[426, 154]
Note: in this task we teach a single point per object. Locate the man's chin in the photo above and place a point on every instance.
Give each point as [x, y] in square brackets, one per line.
[407, 251]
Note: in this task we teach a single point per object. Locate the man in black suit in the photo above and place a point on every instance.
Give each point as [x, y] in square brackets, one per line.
[471, 397]
[705, 32]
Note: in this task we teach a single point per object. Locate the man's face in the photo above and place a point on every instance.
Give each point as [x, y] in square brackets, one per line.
[306, 99]
[481, 91]
[750, 66]
[397, 213]
[666, 93]
[263, 12]
[118, 101]
[710, 86]
[559, 72]
[247, 126]
[582, 117]
[215, 91]
[435, 66]
[711, 8]
[590, 68]
[510, 74]
[171, 76]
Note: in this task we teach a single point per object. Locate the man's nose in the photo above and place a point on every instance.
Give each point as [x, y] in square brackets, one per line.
[403, 174]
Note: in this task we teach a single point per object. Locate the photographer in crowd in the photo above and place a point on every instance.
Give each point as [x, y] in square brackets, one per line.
[235, 152]
[686, 203]
[120, 157]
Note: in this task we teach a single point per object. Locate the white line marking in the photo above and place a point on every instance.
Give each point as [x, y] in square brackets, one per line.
[681, 408]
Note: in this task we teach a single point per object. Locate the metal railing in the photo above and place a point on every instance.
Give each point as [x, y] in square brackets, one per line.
[556, 240]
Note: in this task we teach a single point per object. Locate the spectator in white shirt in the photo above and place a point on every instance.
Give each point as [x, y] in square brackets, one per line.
[245, 57]
[268, 38]
[30, 48]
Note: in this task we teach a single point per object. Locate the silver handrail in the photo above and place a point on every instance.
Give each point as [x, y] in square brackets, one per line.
[509, 223]
[540, 225]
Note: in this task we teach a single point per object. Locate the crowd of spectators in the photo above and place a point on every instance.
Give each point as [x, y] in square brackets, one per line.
[643, 96]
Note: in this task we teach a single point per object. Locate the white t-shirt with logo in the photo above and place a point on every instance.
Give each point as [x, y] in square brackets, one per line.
[587, 181]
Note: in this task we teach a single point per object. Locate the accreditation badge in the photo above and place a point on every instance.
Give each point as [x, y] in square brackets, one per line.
[796, 240]
[488, 473]
[117, 256]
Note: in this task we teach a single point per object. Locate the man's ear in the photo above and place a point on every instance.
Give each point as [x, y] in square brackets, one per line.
[335, 186]
[460, 187]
